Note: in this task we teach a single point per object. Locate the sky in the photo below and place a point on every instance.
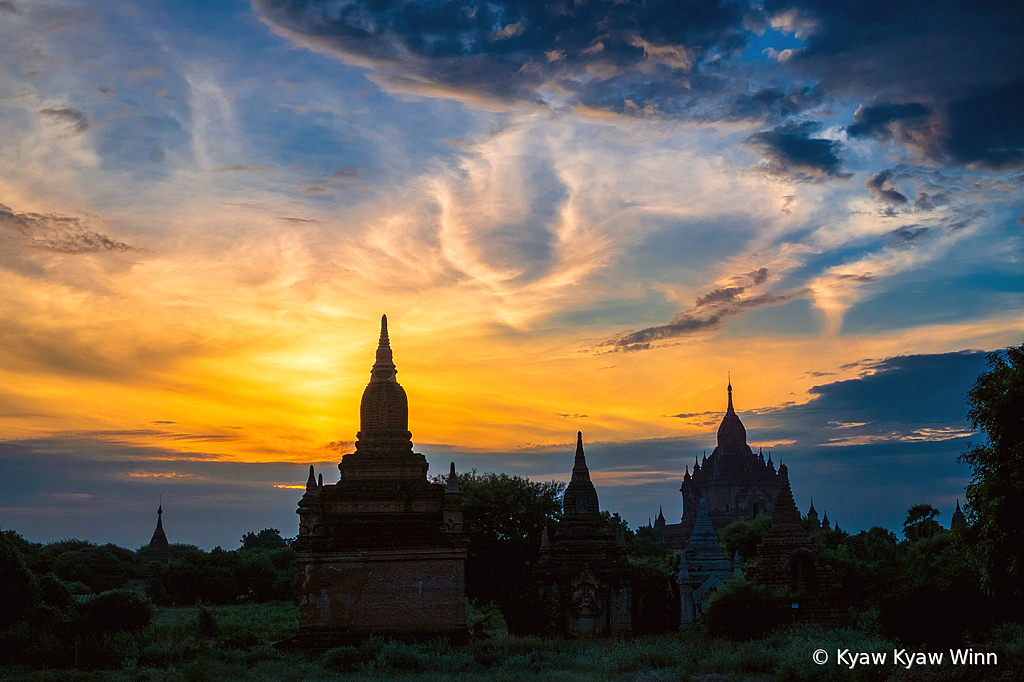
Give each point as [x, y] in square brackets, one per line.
[578, 215]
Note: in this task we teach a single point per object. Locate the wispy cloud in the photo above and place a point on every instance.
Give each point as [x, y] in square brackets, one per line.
[74, 119]
[56, 233]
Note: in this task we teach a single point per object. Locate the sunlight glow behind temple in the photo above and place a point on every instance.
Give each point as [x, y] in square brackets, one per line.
[199, 232]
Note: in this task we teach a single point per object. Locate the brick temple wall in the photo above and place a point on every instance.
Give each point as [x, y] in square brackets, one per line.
[403, 592]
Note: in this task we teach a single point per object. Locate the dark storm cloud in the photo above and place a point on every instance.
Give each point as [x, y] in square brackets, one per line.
[789, 151]
[7, 6]
[59, 234]
[74, 118]
[945, 79]
[895, 394]
[984, 130]
[877, 120]
[659, 57]
[881, 189]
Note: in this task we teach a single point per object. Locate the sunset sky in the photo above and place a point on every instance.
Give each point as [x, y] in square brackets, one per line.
[577, 216]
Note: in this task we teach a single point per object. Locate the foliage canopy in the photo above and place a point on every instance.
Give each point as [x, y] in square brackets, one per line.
[995, 496]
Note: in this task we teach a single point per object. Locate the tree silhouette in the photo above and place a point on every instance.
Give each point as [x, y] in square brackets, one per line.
[268, 538]
[995, 496]
[921, 522]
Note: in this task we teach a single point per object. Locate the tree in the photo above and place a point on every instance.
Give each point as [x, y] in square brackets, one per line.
[268, 538]
[995, 496]
[18, 587]
[921, 522]
[101, 568]
[745, 536]
[504, 517]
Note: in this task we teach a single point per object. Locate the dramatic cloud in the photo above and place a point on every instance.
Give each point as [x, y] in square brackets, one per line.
[789, 151]
[708, 312]
[902, 395]
[943, 79]
[655, 58]
[522, 187]
[885, 121]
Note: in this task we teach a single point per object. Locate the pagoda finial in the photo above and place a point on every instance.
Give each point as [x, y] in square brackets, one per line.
[384, 367]
[579, 467]
[730, 410]
[311, 481]
[160, 516]
[385, 342]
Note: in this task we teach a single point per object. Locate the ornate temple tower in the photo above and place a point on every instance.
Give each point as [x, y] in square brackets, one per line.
[786, 560]
[584, 565]
[382, 551]
[736, 483]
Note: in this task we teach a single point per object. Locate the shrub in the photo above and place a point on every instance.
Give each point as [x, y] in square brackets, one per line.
[116, 610]
[403, 657]
[741, 610]
[205, 624]
[343, 658]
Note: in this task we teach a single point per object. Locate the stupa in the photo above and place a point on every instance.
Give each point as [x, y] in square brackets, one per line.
[382, 551]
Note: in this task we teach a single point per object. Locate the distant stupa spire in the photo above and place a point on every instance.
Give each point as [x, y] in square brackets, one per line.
[159, 549]
[729, 410]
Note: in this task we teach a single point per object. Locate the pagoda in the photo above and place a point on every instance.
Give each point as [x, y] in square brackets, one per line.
[382, 551]
[584, 564]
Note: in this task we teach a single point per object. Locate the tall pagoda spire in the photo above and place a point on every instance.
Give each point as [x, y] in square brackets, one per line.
[731, 433]
[159, 549]
[580, 472]
[384, 368]
[580, 497]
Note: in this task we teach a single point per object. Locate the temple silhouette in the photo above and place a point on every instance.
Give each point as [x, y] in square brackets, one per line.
[584, 565]
[382, 551]
[735, 483]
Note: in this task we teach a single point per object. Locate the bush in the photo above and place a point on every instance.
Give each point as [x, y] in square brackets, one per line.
[741, 610]
[205, 624]
[116, 610]
[403, 657]
[343, 658]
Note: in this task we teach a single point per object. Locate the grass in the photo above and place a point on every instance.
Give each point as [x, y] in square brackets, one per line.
[195, 644]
